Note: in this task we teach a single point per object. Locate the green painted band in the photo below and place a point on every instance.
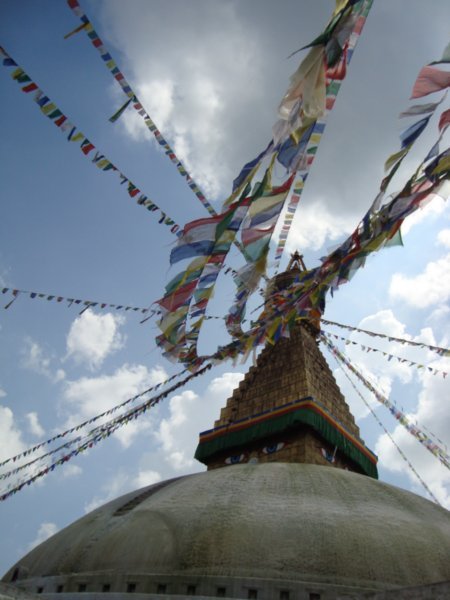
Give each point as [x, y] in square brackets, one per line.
[302, 416]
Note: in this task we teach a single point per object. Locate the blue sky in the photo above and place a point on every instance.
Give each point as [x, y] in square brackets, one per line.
[211, 75]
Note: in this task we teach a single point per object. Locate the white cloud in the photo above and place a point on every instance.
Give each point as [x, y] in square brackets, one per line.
[161, 92]
[190, 414]
[45, 531]
[146, 477]
[71, 470]
[89, 396]
[443, 237]
[35, 359]
[116, 485]
[2, 393]
[432, 286]
[315, 225]
[33, 424]
[92, 337]
[434, 207]
[11, 442]
[203, 88]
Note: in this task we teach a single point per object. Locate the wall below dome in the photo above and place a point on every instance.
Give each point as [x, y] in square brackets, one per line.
[280, 531]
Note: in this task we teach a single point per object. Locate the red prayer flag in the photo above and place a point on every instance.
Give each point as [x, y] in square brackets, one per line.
[444, 121]
[430, 80]
[30, 87]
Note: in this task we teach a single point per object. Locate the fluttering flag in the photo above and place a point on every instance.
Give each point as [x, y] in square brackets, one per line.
[420, 109]
[444, 120]
[256, 233]
[409, 136]
[121, 110]
[430, 80]
[208, 241]
[197, 239]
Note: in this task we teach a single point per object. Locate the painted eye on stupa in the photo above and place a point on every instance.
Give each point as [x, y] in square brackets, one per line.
[234, 460]
[273, 448]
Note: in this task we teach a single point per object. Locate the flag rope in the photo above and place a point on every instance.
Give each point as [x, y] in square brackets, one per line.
[377, 419]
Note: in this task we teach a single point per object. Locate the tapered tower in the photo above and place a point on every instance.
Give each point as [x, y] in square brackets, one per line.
[288, 408]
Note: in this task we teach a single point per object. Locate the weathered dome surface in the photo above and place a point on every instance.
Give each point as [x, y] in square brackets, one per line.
[276, 521]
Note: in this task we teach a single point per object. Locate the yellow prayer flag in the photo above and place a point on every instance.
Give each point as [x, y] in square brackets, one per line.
[78, 137]
[443, 165]
[48, 108]
[394, 158]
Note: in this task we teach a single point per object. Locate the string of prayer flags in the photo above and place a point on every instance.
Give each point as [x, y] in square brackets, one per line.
[208, 241]
[297, 115]
[433, 447]
[201, 239]
[377, 419]
[410, 135]
[305, 297]
[262, 216]
[82, 425]
[64, 434]
[440, 351]
[96, 435]
[288, 218]
[84, 304]
[405, 361]
[135, 102]
[73, 134]
[294, 145]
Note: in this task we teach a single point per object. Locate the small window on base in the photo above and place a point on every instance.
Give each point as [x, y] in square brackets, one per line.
[252, 594]
[221, 592]
[39, 590]
[106, 587]
[284, 595]
[59, 589]
[131, 587]
[81, 587]
[314, 596]
[161, 588]
[190, 591]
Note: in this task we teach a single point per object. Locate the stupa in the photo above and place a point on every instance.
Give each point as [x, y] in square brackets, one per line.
[290, 507]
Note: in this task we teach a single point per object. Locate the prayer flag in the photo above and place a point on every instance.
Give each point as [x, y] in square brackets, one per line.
[410, 135]
[430, 80]
[444, 120]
